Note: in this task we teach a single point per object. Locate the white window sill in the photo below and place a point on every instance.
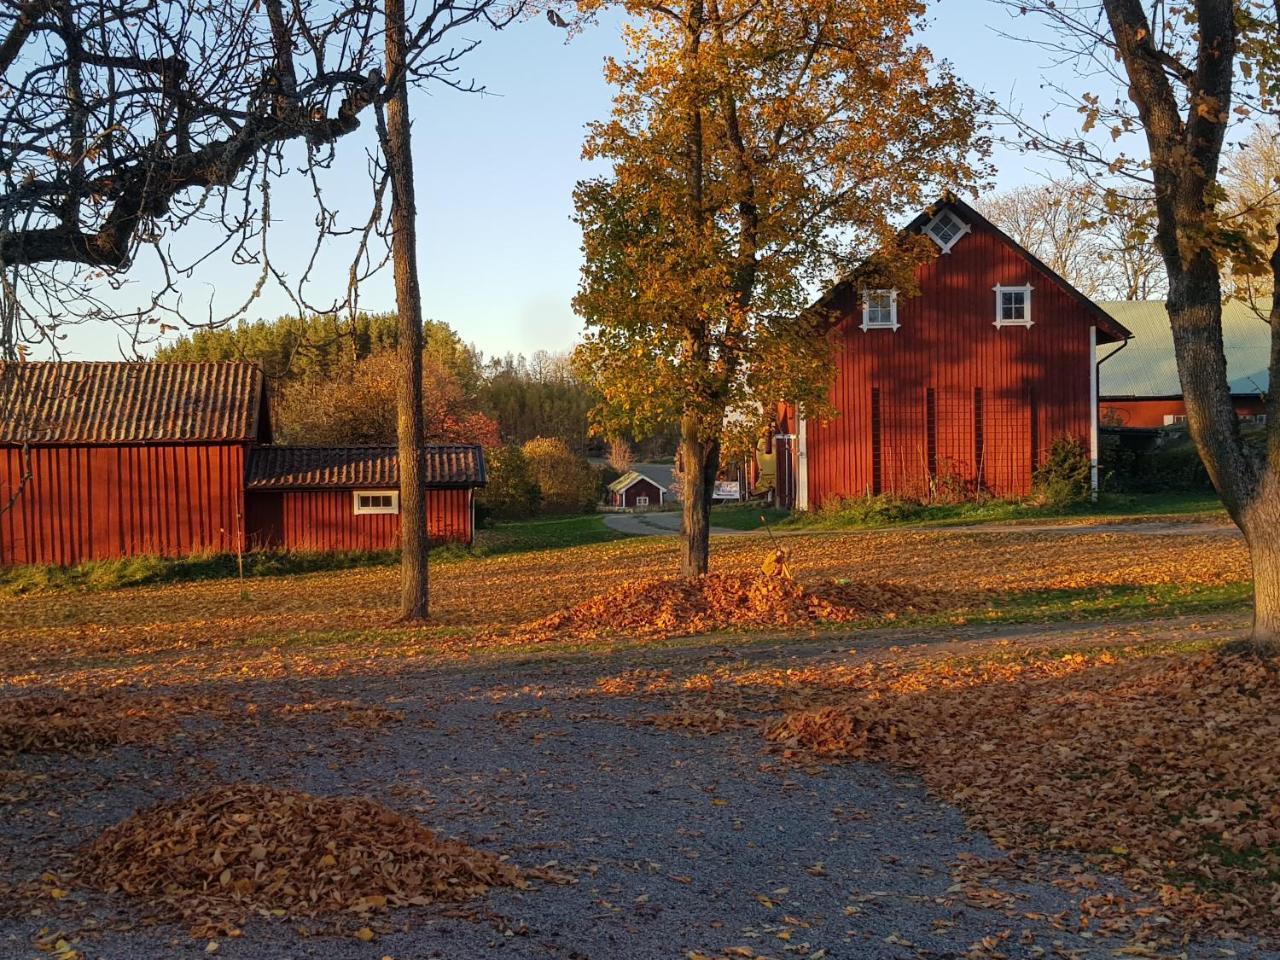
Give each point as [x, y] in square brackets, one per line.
[879, 326]
[1014, 323]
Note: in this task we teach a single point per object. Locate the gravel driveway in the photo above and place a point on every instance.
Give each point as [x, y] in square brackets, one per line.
[677, 842]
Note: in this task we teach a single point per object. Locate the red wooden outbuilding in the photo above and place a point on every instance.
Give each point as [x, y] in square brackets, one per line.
[348, 498]
[961, 386]
[114, 459]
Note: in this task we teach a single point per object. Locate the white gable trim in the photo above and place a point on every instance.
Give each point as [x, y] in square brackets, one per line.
[633, 477]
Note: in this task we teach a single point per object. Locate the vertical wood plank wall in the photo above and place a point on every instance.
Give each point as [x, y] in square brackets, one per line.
[947, 348]
[324, 520]
[97, 502]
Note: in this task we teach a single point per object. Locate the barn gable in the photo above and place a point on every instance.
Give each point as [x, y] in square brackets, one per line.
[959, 387]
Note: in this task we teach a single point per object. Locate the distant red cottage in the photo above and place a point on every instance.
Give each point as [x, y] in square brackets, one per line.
[965, 384]
[102, 460]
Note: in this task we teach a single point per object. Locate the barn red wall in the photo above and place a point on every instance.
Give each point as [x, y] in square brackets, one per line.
[97, 502]
[642, 488]
[1151, 413]
[947, 341]
[324, 520]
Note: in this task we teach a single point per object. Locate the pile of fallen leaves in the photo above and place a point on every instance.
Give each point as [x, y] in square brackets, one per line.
[80, 722]
[661, 608]
[1163, 769]
[233, 852]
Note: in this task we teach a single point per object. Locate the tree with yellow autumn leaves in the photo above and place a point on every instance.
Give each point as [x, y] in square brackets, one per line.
[760, 149]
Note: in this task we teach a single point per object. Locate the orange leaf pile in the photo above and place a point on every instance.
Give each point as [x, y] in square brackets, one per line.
[1163, 769]
[662, 608]
[53, 723]
[233, 852]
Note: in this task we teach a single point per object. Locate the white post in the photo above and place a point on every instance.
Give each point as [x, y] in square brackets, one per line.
[802, 465]
[1093, 411]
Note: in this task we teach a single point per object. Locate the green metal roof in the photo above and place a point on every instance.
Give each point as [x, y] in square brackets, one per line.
[1146, 367]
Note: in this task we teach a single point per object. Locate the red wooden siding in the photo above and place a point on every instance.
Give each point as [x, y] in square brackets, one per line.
[949, 386]
[641, 488]
[323, 520]
[97, 502]
[1151, 411]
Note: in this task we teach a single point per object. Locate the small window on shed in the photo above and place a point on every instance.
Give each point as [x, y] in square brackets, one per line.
[377, 501]
[642, 501]
[880, 310]
[1013, 306]
[946, 229]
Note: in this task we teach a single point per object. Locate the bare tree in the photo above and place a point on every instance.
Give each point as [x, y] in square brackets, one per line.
[1251, 182]
[397, 147]
[1101, 243]
[1190, 71]
[621, 456]
[125, 121]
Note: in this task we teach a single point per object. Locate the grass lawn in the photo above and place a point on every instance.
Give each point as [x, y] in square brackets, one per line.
[878, 512]
[529, 535]
[554, 533]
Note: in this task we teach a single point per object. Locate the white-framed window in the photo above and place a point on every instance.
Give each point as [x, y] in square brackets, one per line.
[642, 501]
[1174, 419]
[880, 310]
[946, 229]
[377, 501]
[1013, 306]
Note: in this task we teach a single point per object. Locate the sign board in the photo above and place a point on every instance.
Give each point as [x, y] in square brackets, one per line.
[726, 490]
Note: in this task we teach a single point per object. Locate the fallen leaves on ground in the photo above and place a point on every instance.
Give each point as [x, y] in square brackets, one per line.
[668, 607]
[46, 724]
[1163, 769]
[334, 623]
[218, 858]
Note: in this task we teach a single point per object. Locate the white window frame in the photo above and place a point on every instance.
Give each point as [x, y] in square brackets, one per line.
[893, 311]
[1024, 289]
[367, 510]
[946, 246]
[642, 501]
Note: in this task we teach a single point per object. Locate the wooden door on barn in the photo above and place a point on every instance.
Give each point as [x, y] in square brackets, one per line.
[785, 492]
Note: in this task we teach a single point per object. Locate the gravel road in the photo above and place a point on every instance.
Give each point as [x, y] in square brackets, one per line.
[678, 842]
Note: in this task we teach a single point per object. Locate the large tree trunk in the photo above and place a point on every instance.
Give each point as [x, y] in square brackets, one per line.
[414, 542]
[1247, 482]
[699, 463]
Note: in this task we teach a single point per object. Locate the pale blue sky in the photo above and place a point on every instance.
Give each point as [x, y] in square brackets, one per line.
[499, 254]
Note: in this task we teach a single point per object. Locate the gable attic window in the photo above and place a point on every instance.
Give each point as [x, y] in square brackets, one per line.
[946, 229]
[377, 501]
[880, 310]
[1013, 306]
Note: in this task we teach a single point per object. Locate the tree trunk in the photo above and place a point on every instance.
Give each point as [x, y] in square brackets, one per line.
[404, 251]
[1261, 526]
[699, 463]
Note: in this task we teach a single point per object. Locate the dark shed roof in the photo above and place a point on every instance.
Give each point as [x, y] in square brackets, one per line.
[284, 468]
[131, 402]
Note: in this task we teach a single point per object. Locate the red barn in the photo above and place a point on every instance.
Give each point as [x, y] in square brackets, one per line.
[634, 491]
[115, 459]
[960, 387]
[348, 498]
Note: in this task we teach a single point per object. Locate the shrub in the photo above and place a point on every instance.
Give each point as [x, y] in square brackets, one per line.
[566, 481]
[879, 510]
[512, 491]
[1064, 479]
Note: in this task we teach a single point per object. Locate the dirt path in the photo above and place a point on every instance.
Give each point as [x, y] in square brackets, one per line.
[680, 845]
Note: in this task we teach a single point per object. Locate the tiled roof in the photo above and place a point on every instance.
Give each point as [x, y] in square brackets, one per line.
[1147, 368]
[122, 402]
[281, 468]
